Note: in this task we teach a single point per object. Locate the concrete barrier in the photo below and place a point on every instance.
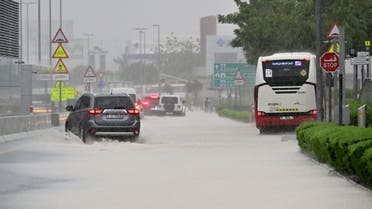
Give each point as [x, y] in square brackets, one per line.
[24, 123]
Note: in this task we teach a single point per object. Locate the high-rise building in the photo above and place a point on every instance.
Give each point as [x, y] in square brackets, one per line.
[208, 26]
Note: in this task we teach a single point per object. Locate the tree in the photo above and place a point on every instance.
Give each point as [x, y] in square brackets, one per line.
[77, 75]
[269, 26]
[194, 88]
[180, 56]
[135, 71]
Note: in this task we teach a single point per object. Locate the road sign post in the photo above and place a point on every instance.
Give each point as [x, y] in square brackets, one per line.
[331, 61]
[90, 77]
[60, 71]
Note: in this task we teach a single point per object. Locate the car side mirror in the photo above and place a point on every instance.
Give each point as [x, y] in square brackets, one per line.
[70, 108]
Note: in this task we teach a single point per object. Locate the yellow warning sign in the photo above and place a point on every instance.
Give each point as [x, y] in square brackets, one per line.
[303, 73]
[60, 52]
[60, 67]
[367, 43]
[334, 48]
[68, 92]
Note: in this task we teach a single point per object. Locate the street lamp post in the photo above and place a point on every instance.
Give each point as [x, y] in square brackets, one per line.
[60, 13]
[88, 35]
[158, 50]
[142, 31]
[50, 34]
[27, 30]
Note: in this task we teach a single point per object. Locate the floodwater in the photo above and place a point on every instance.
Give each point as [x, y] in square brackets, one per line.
[199, 161]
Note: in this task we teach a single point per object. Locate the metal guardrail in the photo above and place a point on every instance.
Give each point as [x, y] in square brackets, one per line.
[24, 123]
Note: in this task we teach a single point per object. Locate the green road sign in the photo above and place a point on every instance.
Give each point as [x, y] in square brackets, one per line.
[67, 93]
[225, 75]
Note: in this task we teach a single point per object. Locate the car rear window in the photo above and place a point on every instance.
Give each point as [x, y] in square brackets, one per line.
[113, 102]
[169, 100]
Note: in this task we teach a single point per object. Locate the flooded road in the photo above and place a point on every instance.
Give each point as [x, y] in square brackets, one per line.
[199, 161]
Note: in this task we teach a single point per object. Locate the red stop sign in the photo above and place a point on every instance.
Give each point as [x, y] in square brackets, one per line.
[330, 62]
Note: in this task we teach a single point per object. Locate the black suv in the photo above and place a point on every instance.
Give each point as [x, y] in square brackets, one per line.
[111, 116]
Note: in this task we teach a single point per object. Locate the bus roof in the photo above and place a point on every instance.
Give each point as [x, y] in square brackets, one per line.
[286, 55]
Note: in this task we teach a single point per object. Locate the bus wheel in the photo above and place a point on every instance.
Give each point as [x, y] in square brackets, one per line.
[262, 130]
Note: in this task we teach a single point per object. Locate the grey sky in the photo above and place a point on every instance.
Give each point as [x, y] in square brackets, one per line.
[116, 19]
[113, 22]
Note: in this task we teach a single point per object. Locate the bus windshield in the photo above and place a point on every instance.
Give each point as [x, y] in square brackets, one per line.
[285, 72]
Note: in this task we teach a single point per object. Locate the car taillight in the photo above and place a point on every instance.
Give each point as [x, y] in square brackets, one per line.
[137, 106]
[314, 112]
[145, 103]
[133, 112]
[156, 97]
[95, 111]
[260, 114]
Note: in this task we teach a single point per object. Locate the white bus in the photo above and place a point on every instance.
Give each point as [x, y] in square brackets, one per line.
[285, 90]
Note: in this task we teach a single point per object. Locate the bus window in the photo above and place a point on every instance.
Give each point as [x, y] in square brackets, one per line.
[285, 72]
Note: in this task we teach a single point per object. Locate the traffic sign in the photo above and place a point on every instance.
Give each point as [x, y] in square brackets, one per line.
[239, 80]
[330, 62]
[59, 37]
[101, 74]
[362, 58]
[367, 43]
[60, 67]
[90, 76]
[43, 76]
[67, 93]
[60, 52]
[60, 77]
[334, 32]
[225, 75]
[101, 84]
[334, 48]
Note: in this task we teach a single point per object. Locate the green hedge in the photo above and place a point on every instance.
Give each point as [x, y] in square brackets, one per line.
[240, 113]
[347, 148]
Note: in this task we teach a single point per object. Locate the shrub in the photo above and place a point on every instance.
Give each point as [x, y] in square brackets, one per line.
[366, 167]
[347, 148]
[240, 113]
[355, 153]
[237, 115]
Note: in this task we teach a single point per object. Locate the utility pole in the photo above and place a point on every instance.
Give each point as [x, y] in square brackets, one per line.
[60, 82]
[20, 36]
[341, 76]
[319, 74]
[88, 35]
[39, 30]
